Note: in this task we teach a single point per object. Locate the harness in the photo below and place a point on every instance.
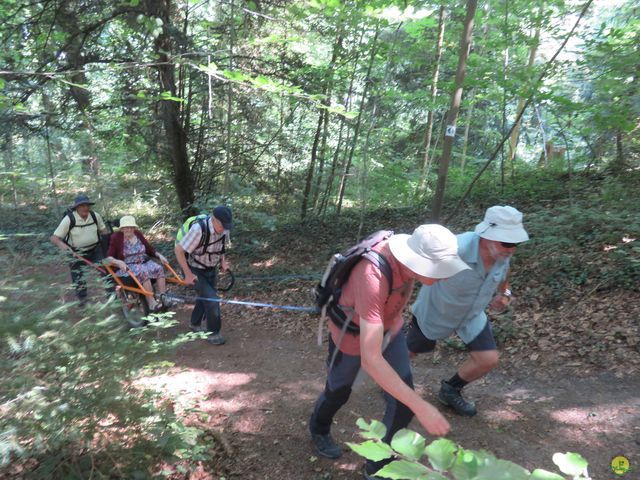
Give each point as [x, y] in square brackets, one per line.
[72, 225]
[204, 245]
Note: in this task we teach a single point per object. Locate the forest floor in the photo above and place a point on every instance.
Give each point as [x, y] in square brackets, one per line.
[260, 387]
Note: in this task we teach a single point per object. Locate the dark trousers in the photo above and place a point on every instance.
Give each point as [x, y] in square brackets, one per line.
[338, 389]
[206, 287]
[78, 269]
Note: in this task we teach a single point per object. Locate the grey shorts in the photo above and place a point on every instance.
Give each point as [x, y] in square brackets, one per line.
[418, 343]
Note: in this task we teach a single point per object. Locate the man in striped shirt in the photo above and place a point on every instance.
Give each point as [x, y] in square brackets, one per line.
[206, 254]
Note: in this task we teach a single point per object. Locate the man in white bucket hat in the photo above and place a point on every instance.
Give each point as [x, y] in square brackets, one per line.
[458, 305]
[428, 255]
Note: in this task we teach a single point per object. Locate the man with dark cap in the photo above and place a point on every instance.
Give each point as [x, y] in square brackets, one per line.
[205, 244]
[79, 232]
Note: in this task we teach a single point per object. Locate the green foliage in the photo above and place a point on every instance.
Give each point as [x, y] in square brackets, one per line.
[70, 398]
[449, 461]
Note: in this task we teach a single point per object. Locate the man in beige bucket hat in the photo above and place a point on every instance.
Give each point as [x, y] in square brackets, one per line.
[458, 305]
[428, 255]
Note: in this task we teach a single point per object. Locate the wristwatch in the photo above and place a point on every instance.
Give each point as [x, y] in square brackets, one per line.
[506, 293]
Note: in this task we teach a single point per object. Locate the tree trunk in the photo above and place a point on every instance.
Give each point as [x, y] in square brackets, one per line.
[434, 94]
[169, 109]
[515, 134]
[8, 162]
[618, 164]
[312, 164]
[337, 48]
[505, 66]
[365, 91]
[465, 44]
[347, 107]
[465, 141]
[227, 167]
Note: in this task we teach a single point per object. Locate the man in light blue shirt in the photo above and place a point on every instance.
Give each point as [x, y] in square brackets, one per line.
[458, 304]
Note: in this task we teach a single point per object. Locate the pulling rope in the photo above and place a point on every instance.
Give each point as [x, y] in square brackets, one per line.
[193, 299]
[301, 276]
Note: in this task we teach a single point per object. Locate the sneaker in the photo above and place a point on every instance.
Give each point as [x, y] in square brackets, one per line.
[453, 398]
[167, 302]
[216, 339]
[325, 445]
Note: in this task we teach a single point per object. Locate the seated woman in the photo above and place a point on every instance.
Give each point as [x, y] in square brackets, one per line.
[129, 249]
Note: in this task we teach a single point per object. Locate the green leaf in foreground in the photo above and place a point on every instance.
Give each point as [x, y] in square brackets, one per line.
[371, 450]
[441, 454]
[540, 474]
[403, 469]
[494, 469]
[570, 463]
[409, 444]
[466, 465]
[374, 430]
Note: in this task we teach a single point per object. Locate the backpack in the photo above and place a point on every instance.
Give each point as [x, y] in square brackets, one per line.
[72, 225]
[203, 221]
[328, 291]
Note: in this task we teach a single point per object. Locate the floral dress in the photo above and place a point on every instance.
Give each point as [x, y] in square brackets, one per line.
[139, 263]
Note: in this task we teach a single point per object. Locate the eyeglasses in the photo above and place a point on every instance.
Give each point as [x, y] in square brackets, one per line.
[508, 245]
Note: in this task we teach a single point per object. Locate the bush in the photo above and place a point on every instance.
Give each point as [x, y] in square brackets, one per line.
[70, 406]
[448, 460]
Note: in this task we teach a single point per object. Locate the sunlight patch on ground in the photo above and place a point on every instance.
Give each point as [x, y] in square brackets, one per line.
[196, 382]
[266, 264]
[522, 395]
[503, 415]
[601, 418]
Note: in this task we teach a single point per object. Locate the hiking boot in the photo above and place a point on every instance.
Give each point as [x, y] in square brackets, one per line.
[196, 328]
[325, 445]
[167, 302]
[453, 398]
[216, 339]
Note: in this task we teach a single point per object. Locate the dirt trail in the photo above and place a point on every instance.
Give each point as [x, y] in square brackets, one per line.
[259, 389]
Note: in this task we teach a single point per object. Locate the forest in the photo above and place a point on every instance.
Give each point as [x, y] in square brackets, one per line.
[316, 123]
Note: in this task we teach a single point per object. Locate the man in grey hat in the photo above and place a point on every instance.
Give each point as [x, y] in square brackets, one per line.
[205, 243]
[458, 305]
[79, 232]
[428, 255]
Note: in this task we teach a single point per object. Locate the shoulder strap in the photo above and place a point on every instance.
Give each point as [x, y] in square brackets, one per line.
[382, 263]
[95, 221]
[72, 223]
[206, 234]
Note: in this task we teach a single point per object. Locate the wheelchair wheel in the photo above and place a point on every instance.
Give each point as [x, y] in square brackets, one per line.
[134, 307]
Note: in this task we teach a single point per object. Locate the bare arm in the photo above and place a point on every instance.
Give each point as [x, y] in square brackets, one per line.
[58, 242]
[114, 261]
[189, 277]
[378, 368]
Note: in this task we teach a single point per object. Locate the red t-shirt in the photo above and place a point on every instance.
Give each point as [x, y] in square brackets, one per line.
[367, 293]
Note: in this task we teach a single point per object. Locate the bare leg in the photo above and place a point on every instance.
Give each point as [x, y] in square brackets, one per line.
[149, 288]
[161, 284]
[478, 364]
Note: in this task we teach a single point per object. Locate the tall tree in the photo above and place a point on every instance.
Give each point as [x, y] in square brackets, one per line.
[169, 110]
[434, 94]
[465, 45]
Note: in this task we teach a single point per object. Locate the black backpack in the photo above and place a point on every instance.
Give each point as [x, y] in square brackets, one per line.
[72, 225]
[328, 291]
